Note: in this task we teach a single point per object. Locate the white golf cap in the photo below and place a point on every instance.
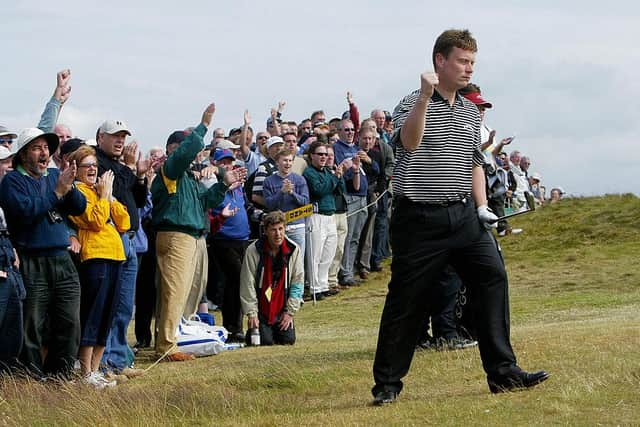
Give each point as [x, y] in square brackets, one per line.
[537, 176]
[6, 132]
[5, 153]
[114, 126]
[274, 140]
[225, 144]
[29, 134]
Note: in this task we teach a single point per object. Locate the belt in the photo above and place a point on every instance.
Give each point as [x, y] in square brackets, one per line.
[443, 204]
[294, 227]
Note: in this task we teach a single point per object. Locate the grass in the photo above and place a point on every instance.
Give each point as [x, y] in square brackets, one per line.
[575, 311]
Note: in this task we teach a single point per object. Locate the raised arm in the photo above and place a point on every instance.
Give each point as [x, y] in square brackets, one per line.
[244, 147]
[180, 160]
[413, 127]
[61, 93]
[354, 114]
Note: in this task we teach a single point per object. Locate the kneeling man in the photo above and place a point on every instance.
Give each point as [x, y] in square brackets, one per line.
[272, 282]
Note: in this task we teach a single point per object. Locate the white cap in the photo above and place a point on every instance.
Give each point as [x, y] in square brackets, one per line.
[6, 132]
[114, 126]
[537, 176]
[5, 153]
[274, 140]
[225, 144]
[29, 134]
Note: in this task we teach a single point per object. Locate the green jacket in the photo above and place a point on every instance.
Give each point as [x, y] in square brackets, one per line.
[322, 185]
[179, 200]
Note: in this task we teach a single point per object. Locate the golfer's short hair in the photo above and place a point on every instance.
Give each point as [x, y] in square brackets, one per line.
[453, 38]
[273, 218]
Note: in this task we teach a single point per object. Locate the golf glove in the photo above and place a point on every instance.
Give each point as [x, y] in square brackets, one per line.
[487, 217]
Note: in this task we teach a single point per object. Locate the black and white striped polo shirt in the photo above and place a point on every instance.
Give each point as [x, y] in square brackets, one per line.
[439, 170]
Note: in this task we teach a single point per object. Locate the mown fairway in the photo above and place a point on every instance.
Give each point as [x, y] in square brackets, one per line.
[575, 311]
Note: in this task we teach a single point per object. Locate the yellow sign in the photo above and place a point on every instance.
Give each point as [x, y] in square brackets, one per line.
[301, 212]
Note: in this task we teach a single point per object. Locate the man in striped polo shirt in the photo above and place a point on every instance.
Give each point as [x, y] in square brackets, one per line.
[439, 218]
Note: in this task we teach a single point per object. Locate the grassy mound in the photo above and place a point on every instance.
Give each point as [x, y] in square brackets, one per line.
[575, 304]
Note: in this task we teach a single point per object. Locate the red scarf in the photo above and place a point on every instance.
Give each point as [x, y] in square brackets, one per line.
[270, 309]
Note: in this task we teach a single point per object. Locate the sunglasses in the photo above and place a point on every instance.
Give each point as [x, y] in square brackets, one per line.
[262, 137]
[321, 154]
[6, 140]
[349, 129]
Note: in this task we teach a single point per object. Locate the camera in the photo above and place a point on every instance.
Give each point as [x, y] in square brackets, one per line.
[54, 216]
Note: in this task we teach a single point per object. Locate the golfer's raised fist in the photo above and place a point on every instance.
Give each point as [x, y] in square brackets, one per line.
[428, 82]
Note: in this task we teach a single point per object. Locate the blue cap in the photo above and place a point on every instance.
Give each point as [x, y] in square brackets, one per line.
[223, 154]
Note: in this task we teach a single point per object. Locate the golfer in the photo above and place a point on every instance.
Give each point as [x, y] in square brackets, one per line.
[439, 218]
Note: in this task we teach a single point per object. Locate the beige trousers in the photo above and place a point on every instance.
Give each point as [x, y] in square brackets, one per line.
[200, 277]
[176, 253]
[341, 226]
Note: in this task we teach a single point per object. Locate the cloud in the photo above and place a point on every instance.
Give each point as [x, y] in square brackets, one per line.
[561, 75]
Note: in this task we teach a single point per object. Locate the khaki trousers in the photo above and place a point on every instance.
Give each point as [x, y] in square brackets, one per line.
[341, 227]
[176, 253]
[200, 277]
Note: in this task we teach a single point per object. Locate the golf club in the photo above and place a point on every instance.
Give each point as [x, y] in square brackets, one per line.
[531, 206]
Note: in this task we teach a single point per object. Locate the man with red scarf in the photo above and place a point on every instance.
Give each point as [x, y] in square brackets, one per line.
[272, 282]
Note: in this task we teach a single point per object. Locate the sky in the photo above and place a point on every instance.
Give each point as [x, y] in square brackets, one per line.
[562, 76]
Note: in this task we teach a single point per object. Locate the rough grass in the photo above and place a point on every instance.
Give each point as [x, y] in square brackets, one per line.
[575, 303]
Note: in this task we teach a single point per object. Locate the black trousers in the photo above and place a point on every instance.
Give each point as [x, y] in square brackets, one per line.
[425, 239]
[229, 255]
[271, 334]
[12, 293]
[215, 277]
[53, 293]
[497, 206]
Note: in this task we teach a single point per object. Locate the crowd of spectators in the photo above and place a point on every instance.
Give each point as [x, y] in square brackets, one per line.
[90, 227]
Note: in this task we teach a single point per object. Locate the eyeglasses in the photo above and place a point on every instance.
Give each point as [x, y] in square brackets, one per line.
[6, 141]
[321, 154]
[349, 129]
[88, 165]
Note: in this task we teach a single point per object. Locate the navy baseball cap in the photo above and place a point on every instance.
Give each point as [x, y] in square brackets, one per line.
[223, 154]
[176, 137]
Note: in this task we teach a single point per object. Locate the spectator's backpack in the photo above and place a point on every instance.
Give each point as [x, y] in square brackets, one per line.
[496, 182]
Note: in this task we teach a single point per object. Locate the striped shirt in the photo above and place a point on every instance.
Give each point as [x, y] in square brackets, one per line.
[262, 173]
[440, 169]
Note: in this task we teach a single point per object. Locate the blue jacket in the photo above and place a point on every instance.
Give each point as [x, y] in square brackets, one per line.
[276, 199]
[235, 227]
[28, 202]
[342, 150]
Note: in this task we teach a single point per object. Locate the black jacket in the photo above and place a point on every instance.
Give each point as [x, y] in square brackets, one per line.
[126, 187]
